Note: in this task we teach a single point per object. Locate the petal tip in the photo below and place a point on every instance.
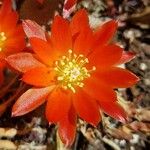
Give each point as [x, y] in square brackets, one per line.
[49, 124]
[123, 120]
[14, 114]
[137, 79]
[96, 122]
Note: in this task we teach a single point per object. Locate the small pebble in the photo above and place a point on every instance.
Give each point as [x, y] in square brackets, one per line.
[143, 66]
[135, 139]
[122, 143]
[147, 82]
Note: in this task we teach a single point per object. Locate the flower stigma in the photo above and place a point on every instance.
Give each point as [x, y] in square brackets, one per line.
[2, 39]
[71, 70]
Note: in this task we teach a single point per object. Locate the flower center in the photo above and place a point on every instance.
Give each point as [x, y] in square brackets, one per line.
[2, 39]
[71, 70]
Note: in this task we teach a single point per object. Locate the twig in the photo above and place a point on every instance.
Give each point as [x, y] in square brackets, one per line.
[6, 88]
[90, 136]
[4, 105]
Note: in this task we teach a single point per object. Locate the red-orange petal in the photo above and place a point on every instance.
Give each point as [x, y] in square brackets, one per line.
[58, 105]
[9, 22]
[84, 41]
[61, 35]
[69, 7]
[39, 76]
[32, 29]
[126, 57]
[6, 6]
[98, 90]
[43, 49]
[79, 22]
[105, 33]
[114, 110]
[69, 4]
[18, 32]
[23, 62]
[11, 44]
[30, 100]
[86, 107]
[104, 56]
[117, 77]
[67, 127]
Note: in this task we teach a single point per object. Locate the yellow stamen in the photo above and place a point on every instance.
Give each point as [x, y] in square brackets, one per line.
[71, 70]
[2, 39]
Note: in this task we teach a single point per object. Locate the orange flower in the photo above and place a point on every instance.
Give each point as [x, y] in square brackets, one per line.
[11, 35]
[76, 71]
